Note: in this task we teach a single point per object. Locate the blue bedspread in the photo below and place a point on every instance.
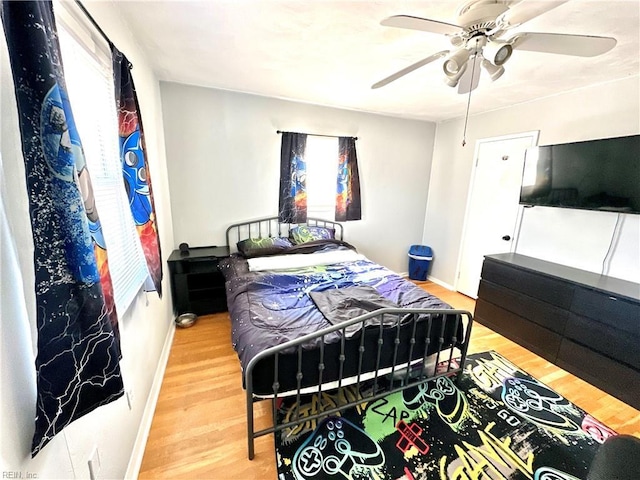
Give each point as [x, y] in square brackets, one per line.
[271, 308]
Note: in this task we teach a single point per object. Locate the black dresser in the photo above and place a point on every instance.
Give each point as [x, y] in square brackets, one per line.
[586, 323]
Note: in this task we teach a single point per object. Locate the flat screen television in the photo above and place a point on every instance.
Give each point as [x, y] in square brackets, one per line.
[601, 174]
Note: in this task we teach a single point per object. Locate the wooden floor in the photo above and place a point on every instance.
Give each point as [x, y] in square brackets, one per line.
[198, 429]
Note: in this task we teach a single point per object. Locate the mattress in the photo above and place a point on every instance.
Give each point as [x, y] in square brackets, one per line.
[272, 307]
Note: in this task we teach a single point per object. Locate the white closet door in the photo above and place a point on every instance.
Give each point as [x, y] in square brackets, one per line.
[492, 209]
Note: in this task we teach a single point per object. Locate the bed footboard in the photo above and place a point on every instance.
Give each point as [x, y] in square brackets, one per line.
[409, 358]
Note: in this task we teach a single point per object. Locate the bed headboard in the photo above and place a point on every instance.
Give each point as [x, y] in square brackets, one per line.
[271, 227]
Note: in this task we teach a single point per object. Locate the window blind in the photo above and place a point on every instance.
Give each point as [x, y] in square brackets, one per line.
[89, 78]
[321, 156]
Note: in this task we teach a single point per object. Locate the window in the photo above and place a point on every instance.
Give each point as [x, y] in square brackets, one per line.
[321, 156]
[89, 78]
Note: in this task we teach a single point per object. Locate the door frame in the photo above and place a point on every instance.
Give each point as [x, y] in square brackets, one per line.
[535, 135]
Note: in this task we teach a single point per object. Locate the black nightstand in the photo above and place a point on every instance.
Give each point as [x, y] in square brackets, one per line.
[197, 285]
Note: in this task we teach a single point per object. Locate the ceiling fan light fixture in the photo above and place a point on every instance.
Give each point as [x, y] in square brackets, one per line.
[456, 62]
[498, 52]
[453, 79]
[494, 71]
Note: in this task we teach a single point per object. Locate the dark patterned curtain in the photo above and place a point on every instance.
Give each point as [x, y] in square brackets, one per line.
[135, 167]
[293, 170]
[348, 192]
[78, 355]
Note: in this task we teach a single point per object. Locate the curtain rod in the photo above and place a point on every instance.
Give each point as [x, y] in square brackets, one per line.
[318, 135]
[94, 23]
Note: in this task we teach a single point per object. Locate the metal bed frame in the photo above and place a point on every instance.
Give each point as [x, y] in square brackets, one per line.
[408, 376]
[409, 373]
[271, 227]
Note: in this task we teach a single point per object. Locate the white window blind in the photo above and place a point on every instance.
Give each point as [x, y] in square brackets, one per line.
[321, 156]
[89, 79]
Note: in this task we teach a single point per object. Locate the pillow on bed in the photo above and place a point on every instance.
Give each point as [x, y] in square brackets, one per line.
[257, 247]
[305, 233]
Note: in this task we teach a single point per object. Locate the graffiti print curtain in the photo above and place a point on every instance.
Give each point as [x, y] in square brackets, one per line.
[77, 364]
[293, 188]
[135, 167]
[348, 193]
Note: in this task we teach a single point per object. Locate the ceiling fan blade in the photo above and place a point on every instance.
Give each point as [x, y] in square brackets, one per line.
[564, 44]
[410, 69]
[524, 11]
[471, 77]
[422, 24]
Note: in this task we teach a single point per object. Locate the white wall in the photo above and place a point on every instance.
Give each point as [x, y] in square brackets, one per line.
[223, 154]
[575, 238]
[144, 327]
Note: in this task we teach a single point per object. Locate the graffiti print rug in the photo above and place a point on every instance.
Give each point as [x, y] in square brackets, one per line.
[498, 422]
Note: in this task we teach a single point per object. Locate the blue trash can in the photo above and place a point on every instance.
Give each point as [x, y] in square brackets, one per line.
[420, 257]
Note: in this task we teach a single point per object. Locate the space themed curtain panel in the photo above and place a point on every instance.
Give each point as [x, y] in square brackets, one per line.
[77, 364]
[348, 192]
[293, 188]
[135, 167]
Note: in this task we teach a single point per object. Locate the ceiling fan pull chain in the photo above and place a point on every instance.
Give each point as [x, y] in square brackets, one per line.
[466, 115]
[466, 119]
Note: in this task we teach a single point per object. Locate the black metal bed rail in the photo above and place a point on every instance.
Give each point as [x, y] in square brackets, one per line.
[272, 227]
[412, 367]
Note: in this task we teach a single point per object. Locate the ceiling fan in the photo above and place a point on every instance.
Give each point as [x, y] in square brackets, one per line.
[480, 42]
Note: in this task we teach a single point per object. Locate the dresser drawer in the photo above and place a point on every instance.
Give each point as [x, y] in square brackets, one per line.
[604, 339]
[617, 379]
[545, 288]
[537, 311]
[530, 335]
[608, 309]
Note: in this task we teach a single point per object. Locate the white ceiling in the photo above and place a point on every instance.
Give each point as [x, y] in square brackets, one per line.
[330, 52]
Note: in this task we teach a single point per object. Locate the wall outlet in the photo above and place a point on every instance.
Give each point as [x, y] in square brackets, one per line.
[94, 464]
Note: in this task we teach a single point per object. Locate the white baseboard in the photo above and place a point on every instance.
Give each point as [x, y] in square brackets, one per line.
[432, 279]
[135, 461]
[441, 283]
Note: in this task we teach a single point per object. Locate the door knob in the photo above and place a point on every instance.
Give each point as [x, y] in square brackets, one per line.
[506, 238]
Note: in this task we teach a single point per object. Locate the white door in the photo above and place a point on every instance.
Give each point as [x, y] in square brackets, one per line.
[492, 209]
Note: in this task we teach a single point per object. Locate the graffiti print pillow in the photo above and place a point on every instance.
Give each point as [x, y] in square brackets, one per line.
[304, 234]
[261, 247]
